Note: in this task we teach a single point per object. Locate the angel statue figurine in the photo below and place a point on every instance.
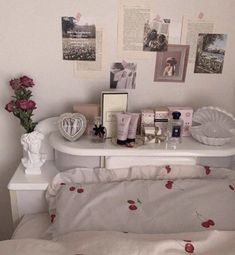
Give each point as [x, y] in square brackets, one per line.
[33, 159]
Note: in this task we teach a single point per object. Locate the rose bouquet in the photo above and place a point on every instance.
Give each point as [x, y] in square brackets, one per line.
[21, 105]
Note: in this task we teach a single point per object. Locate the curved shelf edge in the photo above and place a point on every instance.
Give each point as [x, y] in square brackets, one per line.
[188, 148]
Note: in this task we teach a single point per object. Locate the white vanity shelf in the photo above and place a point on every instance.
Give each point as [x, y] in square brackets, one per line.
[188, 149]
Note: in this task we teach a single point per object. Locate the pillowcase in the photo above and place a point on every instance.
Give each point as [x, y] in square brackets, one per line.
[172, 201]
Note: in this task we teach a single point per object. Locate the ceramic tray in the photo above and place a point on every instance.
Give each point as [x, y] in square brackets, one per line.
[215, 126]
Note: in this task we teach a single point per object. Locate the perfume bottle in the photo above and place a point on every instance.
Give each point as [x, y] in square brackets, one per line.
[175, 129]
[98, 131]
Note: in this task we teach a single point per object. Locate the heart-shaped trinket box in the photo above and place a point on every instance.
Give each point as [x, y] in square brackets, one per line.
[72, 125]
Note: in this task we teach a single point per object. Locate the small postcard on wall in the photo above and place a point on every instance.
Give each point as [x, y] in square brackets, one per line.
[79, 39]
[210, 53]
[123, 75]
[156, 35]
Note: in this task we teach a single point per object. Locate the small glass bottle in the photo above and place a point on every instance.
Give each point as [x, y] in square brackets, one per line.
[175, 129]
[98, 131]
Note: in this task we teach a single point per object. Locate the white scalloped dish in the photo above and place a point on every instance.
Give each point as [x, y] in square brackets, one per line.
[215, 126]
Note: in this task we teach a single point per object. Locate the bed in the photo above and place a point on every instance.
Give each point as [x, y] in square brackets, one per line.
[172, 207]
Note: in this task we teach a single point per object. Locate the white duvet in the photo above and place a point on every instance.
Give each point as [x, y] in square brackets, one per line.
[202, 202]
[210, 242]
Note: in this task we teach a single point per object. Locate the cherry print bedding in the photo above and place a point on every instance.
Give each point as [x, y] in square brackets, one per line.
[196, 201]
[143, 200]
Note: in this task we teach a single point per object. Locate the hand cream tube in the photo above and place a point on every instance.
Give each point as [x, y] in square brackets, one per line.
[123, 122]
[132, 127]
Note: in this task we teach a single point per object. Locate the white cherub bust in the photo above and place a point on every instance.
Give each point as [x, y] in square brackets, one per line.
[34, 159]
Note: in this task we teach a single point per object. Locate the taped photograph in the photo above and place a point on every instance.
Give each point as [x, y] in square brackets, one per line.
[123, 75]
[79, 39]
[156, 35]
[210, 53]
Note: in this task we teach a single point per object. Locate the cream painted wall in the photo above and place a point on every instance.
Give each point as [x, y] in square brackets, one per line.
[30, 43]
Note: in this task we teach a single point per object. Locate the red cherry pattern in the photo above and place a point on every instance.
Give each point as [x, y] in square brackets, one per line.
[211, 222]
[52, 217]
[80, 190]
[169, 184]
[205, 224]
[133, 207]
[208, 223]
[132, 204]
[189, 248]
[130, 201]
[168, 169]
[208, 170]
[231, 187]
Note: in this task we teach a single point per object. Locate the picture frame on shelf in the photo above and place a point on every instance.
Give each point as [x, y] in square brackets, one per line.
[72, 125]
[112, 102]
[171, 65]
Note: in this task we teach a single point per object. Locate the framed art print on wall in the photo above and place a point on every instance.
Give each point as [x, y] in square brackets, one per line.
[171, 65]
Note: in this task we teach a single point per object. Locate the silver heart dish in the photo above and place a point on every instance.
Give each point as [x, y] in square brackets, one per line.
[72, 125]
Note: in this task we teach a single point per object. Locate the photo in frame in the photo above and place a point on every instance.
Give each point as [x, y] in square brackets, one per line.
[171, 65]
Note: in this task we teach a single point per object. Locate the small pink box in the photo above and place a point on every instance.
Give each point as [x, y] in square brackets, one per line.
[90, 111]
[147, 119]
[186, 116]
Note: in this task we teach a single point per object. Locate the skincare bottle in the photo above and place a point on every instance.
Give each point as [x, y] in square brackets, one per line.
[132, 127]
[123, 122]
[175, 128]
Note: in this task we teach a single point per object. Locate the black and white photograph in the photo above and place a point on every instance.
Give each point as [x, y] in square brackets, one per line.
[79, 39]
[210, 53]
[171, 65]
[156, 35]
[123, 75]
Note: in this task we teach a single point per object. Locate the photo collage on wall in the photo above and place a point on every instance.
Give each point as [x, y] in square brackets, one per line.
[149, 37]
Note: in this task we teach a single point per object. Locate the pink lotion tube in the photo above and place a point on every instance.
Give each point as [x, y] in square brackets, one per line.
[132, 127]
[123, 122]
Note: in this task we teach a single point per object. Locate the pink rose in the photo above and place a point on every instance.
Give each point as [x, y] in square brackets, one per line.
[25, 104]
[31, 104]
[26, 81]
[15, 83]
[10, 106]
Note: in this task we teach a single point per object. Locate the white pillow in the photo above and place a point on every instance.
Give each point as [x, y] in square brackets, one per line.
[165, 204]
